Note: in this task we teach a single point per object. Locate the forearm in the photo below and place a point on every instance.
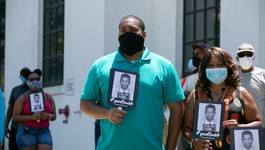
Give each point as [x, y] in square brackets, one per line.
[93, 110]
[175, 120]
[52, 116]
[8, 115]
[23, 118]
[252, 124]
[187, 134]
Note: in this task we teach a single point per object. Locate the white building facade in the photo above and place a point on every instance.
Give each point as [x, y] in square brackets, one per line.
[91, 31]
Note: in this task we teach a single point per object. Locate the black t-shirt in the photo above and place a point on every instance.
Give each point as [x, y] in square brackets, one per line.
[15, 93]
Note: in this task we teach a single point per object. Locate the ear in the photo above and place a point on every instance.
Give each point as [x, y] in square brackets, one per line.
[144, 34]
[254, 57]
[237, 58]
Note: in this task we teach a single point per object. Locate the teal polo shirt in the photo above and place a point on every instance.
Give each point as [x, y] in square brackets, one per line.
[142, 128]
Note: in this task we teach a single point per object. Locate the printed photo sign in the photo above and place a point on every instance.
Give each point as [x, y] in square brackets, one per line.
[123, 87]
[208, 120]
[36, 102]
[247, 138]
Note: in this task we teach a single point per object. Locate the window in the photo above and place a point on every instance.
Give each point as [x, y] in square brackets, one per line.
[2, 42]
[53, 44]
[201, 25]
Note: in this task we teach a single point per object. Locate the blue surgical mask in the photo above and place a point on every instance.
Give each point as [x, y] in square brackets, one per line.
[190, 65]
[24, 80]
[216, 75]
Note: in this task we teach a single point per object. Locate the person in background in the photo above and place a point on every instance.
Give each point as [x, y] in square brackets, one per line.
[2, 118]
[140, 128]
[15, 93]
[188, 83]
[33, 131]
[218, 81]
[252, 77]
[199, 51]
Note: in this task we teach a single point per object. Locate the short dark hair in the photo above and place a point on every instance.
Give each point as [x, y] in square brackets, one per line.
[37, 71]
[25, 72]
[210, 106]
[126, 76]
[141, 23]
[36, 95]
[246, 132]
[202, 46]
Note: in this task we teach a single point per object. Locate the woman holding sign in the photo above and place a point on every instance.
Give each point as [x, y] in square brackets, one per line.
[33, 131]
[218, 81]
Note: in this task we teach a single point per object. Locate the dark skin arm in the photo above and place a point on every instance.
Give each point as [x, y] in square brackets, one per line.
[175, 119]
[252, 115]
[91, 109]
[187, 126]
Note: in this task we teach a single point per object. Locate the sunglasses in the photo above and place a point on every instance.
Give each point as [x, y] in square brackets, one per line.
[243, 54]
[33, 79]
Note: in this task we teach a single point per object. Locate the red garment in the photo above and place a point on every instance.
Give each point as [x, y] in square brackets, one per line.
[26, 111]
[183, 81]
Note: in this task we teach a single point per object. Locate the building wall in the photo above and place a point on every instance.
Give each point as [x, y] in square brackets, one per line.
[21, 47]
[242, 23]
[261, 33]
[160, 20]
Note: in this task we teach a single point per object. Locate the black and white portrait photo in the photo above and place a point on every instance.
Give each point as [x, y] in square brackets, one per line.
[36, 102]
[123, 87]
[208, 120]
[246, 138]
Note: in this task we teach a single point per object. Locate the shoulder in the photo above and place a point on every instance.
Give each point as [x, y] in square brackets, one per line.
[242, 92]
[245, 96]
[17, 87]
[47, 95]
[22, 98]
[192, 77]
[241, 89]
[191, 99]
[258, 71]
[162, 64]
[159, 58]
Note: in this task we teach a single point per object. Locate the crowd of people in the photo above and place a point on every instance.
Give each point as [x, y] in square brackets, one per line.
[217, 79]
[151, 82]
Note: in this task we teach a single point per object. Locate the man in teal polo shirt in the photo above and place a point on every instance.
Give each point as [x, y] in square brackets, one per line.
[140, 128]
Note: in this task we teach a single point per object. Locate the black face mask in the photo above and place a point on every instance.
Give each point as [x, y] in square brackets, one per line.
[131, 43]
[196, 61]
